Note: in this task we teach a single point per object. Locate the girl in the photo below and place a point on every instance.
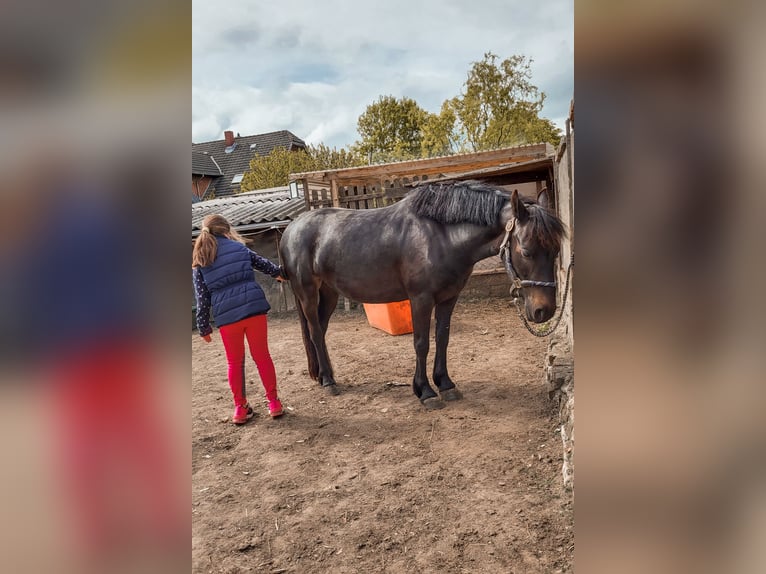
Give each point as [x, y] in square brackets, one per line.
[223, 275]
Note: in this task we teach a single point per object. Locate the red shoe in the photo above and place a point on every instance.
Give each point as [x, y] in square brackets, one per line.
[242, 414]
[275, 408]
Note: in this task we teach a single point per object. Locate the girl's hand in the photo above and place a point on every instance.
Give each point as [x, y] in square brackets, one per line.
[206, 338]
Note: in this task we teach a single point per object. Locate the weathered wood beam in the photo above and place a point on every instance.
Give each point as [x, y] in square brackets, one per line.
[419, 167]
[334, 192]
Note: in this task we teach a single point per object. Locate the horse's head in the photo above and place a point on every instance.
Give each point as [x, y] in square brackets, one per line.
[533, 244]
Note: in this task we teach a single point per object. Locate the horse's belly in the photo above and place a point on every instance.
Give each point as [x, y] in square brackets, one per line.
[371, 289]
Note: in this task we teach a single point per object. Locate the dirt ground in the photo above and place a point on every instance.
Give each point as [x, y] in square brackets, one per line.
[369, 481]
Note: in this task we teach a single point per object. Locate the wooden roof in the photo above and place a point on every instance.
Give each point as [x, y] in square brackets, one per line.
[438, 167]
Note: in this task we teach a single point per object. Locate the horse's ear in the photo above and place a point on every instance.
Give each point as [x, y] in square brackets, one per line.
[519, 209]
[543, 199]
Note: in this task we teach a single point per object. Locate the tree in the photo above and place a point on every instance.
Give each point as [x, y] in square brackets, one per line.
[438, 135]
[274, 170]
[535, 129]
[332, 158]
[390, 129]
[500, 106]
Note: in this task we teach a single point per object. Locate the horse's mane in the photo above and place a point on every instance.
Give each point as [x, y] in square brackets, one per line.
[480, 204]
[544, 225]
[461, 202]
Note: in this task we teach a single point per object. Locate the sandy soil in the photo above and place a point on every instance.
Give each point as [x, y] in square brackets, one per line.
[369, 481]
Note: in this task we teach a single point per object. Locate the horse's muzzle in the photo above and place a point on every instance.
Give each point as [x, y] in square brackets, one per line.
[542, 314]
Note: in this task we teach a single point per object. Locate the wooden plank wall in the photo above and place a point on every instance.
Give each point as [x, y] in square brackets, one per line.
[359, 195]
[317, 196]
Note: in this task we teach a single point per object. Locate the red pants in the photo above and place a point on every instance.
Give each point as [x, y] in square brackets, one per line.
[233, 337]
[117, 468]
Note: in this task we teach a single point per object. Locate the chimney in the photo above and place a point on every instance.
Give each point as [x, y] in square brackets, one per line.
[229, 137]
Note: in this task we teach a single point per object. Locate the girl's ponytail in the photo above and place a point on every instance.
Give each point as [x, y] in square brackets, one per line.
[206, 245]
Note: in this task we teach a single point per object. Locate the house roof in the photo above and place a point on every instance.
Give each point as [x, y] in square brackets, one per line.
[203, 164]
[237, 162]
[251, 211]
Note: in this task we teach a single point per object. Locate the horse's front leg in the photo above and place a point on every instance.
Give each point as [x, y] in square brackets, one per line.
[421, 326]
[442, 380]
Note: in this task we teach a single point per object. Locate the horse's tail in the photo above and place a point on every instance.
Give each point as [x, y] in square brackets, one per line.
[311, 352]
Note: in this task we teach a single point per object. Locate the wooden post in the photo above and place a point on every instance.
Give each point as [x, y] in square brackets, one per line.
[334, 192]
[306, 193]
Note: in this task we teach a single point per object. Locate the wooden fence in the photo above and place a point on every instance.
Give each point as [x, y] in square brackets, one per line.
[368, 195]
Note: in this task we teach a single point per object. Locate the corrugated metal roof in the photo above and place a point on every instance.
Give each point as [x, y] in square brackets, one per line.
[250, 210]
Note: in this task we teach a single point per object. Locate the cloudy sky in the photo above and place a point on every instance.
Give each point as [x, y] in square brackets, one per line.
[313, 66]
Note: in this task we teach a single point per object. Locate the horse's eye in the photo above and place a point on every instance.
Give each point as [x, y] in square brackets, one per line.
[525, 253]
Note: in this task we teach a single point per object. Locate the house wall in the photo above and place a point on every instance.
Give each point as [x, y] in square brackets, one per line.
[200, 184]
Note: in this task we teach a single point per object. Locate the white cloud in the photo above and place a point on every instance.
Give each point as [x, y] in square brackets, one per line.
[313, 67]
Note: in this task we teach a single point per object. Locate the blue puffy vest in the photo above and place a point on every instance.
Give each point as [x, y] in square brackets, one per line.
[234, 292]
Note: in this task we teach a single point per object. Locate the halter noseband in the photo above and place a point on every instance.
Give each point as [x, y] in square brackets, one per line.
[506, 258]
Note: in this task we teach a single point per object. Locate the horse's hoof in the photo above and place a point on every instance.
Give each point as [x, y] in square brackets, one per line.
[452, 394]
[433, 403]
[331, 389]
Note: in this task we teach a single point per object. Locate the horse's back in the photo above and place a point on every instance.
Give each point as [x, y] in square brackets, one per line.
[357, 252]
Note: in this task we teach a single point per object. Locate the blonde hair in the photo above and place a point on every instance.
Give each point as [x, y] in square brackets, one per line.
[206, 246]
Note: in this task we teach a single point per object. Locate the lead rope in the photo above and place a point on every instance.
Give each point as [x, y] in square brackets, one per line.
[548, 330]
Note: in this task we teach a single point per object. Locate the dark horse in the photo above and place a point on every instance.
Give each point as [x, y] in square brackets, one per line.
[422, 248]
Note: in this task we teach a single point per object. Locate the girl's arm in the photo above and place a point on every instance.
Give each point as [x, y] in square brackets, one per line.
[203, 304]
[264, 265]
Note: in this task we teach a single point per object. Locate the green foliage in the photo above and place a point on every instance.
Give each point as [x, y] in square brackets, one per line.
[274, 169]
[390, 129]
[438, 133]
[500, 106]
[332, 158]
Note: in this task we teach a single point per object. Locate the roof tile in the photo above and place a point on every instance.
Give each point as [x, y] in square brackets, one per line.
[238, 161]
[203, 164]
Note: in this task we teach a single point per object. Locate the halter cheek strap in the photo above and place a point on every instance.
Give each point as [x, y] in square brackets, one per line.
[508, 229]
[505, 255]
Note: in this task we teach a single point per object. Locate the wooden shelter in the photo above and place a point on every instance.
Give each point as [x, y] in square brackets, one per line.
[379, 185]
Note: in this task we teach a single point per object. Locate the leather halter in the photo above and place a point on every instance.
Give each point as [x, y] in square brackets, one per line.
[505, 256]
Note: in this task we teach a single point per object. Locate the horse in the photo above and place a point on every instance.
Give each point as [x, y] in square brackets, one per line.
[422, 248]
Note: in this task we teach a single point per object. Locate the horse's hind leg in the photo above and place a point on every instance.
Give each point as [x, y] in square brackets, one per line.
[443, 314]
[328, 302]
[312, 310]
[421, 323]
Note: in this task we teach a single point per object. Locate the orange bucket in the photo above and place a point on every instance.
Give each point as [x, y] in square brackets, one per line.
[393, 318]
